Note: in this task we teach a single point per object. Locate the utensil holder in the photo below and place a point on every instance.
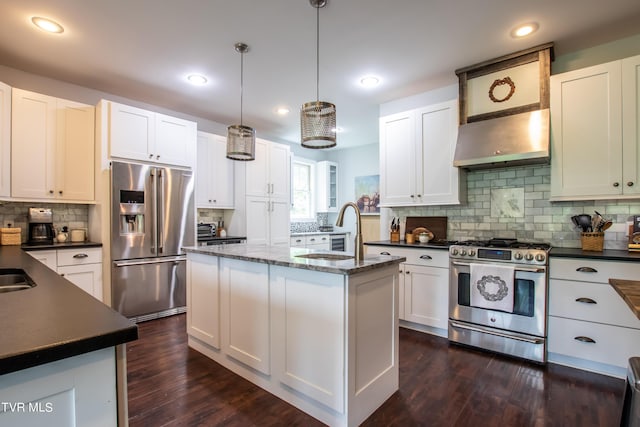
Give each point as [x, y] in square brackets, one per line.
[592, 241]
[394, 236]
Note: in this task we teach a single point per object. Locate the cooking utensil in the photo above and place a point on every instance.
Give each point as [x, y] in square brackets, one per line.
[583, 221]
[607, 224]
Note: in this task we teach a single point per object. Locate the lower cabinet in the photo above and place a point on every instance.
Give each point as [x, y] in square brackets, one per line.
[590, 326]
[81, 266]
[424, 287]
[78, 391]
[203, 299]
[315, 241]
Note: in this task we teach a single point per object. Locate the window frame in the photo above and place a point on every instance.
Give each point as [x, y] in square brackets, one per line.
[311, 164]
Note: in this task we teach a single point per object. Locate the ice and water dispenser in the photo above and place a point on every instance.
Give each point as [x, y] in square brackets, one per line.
[131, 212]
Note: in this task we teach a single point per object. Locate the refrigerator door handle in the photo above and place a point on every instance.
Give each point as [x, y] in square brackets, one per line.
[154, 208]
[160, 216]
[129, 263]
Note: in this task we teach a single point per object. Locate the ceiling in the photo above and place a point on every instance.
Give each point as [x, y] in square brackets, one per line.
[143, 50]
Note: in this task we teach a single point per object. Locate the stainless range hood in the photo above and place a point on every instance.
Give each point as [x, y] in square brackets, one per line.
[517, 139]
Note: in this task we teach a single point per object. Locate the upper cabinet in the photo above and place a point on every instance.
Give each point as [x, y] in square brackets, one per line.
[52, 148]
[5, 140]
[327, 186]
[594, 129]
[268, 174]
[138, 134]
[416, 157]
[214, 174]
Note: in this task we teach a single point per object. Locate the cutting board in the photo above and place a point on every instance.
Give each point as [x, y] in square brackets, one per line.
[436, 224]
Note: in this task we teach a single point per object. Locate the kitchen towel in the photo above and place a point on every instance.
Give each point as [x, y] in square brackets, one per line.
[492, 286]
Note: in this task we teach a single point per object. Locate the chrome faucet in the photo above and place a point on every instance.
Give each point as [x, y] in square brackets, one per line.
[359, 248]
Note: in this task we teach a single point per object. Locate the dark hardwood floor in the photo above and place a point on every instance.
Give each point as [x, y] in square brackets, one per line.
[440, 385]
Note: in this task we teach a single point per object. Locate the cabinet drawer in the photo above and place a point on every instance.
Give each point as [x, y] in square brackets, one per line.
[612, 345]
[594, 302]
[317, 239]
[297, 242]
[417, 256]
[79, 256]
[587, 270]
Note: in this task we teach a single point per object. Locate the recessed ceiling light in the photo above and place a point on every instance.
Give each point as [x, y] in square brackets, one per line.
[524, 30]
[370, 81]
[282, 111]
[197, 79]
[47, 25]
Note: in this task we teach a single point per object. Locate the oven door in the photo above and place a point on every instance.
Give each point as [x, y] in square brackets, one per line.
[530, 300]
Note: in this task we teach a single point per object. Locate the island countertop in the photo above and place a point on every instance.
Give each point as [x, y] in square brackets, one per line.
[290, 257]
[629, 290]
[53, 320]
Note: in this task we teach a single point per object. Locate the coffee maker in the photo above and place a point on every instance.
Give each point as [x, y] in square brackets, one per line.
[40, 226]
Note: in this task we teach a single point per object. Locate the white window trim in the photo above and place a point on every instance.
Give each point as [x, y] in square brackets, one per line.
[312, 184]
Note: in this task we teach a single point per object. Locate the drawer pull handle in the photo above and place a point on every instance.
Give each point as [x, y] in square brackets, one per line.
[385, 253]
[585, 339]
[425, 257]
[586, 300]
[79, 256]
[586, 270]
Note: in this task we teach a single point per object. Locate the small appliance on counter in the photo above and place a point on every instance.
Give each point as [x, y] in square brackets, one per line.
[634, 234]
[41, 230]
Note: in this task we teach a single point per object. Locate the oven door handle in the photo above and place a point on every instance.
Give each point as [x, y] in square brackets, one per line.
[481, 329]
[524, 269]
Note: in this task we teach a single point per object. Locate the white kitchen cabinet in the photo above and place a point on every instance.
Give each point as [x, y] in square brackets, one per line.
[326, 186]
[590, 326]
[138, 134]
[424, 287]
[52, 148]
[77, 391]
[268, 198]
[594, 130]
[81, 266]
[313, 241]
[5, 140]
[214, 174]
[416, 157]
[244, 310]
[203, 299]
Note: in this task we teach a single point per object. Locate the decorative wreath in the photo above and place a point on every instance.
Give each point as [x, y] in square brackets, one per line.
[502, 292]
[500, 82]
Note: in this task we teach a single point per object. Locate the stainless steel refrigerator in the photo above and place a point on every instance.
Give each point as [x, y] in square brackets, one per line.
[152, 217]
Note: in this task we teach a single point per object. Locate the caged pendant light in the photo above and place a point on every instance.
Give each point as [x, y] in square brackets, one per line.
[241, 140]
[318, 118]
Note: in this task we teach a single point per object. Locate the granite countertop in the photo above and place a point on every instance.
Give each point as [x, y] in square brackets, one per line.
[605, 255]
[629, 290]
[68, 245]
[287, 257]
[403, 244]
[54, 320]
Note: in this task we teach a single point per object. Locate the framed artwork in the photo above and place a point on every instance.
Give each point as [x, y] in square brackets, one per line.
[367, 189]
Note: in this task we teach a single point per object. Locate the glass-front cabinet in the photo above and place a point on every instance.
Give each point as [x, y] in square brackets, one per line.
[327, 184]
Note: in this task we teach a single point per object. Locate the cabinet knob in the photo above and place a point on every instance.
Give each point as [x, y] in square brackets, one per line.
[412, 196]
[616, 184]
[50, 191]
[60, 192]
[630, 184]
[419, 195]
[158, 157]
[151, 156]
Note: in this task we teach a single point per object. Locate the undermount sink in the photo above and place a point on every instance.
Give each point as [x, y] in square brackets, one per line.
[14, 279]
[326, 257]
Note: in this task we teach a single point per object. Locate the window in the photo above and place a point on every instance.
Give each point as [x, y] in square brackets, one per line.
[302, 185]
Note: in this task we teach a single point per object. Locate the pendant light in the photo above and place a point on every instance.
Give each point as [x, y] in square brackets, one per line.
[241, 140]
[318, 118]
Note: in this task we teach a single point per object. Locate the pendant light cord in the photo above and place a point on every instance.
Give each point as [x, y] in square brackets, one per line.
[317, 53]
[241, 82]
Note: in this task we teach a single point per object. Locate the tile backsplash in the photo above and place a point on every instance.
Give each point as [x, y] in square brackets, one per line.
[71, 215]
[514, 203]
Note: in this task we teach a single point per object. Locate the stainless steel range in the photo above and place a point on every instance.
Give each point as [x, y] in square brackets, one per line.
[498, 296]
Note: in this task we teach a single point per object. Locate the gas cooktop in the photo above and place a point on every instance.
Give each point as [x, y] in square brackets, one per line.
[503, 243]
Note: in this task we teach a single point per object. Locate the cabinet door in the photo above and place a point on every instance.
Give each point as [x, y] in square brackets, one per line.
[426, 295]
[48, 258]
[33, 135]
[279, 225]
[203, 299]
[175, 142]
[204, 171]
[586, 132]
[437, 181]
[244, 312]
[75, 144]
[631, 125]
[326, 186]
[87, 277]
[279, 171]
[221, 186]
[132, 132]
[398, 159]
[5, 140]
[257, 171]
[258, 210]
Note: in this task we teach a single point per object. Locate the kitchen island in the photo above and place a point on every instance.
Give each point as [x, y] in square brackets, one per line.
[61, 362]
[315, 328]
